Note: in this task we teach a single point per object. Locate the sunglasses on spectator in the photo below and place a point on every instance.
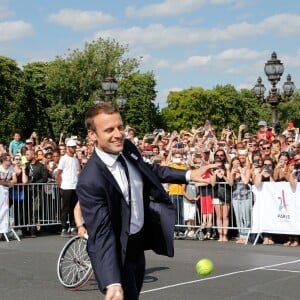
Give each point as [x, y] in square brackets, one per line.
[284, 153]
[267, 164]
[266, 148]
[219, 155]
[17, 159]
[290, 141]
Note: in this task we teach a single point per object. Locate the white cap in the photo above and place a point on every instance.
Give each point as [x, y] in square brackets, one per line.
[71, 143]
[262, 123]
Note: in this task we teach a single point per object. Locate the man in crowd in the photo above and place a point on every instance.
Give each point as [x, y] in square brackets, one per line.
[67, 176]
[37, 173]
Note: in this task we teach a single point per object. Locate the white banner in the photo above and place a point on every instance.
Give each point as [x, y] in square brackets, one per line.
[276, 209]
[4, 207]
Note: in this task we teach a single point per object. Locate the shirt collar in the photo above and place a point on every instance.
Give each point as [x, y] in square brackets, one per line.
[108, 158]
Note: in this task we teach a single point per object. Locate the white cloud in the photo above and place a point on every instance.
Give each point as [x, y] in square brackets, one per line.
[166, 8]
[193, 62]
[234, 3]
[162, 95]
[5, 11]
[15, 30]
[79, 20]
[242, 53]
[283, 24]
[159, 36]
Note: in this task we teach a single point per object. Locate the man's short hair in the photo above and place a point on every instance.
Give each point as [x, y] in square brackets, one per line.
[96, 109]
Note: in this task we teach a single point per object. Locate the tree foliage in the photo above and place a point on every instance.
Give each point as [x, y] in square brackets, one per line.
[141, 112]
[11, 92]
[223, 105]
[74, 82]
[53, 97]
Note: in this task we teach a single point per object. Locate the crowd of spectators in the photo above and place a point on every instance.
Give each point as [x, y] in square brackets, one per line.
[244, 159]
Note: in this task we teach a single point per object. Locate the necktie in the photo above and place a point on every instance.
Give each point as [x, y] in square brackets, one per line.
[124, 165]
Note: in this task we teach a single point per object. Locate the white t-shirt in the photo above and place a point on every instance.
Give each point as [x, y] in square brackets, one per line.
[7, 174]
[70, 169]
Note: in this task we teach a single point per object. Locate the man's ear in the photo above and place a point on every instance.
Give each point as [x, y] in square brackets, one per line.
[92, 135]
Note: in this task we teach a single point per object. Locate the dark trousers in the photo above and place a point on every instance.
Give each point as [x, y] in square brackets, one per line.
[134, 268]
[69, 200]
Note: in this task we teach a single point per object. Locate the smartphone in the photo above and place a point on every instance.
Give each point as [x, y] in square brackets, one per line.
[268, 168]
[179, 145]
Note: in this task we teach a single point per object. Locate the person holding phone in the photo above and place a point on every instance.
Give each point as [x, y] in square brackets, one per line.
[266, 175]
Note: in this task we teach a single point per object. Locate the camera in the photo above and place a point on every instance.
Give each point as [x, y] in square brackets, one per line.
[179, 145]
[257, 162]
[150, 138]
[268, 168]
[157, 161]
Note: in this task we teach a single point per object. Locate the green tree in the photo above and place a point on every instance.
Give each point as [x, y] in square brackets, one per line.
[223, 105]
[74, 82]
[36, 99]
[141, 112]
[11, 93]
[290, 111]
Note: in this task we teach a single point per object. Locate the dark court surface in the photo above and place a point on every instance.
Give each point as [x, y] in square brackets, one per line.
[28, 271]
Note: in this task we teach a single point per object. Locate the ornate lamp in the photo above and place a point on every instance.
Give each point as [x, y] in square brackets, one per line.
[274, 69]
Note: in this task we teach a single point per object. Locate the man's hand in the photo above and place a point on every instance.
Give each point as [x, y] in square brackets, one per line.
[114, 292]
[198, 173]
[81, 231]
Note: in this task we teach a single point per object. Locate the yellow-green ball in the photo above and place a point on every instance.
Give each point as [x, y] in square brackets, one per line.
[204, 267]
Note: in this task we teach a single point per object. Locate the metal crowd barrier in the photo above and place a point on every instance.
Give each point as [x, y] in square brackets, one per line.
[39, 204]
[233, 208]
[34, 204]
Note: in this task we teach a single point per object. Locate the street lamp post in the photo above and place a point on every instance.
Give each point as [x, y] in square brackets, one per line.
[274, 69]
[110, 87]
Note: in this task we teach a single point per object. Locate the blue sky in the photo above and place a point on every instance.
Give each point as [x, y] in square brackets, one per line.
[186, 43]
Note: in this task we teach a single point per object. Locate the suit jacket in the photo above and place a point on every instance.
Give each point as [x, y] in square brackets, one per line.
[107, 214]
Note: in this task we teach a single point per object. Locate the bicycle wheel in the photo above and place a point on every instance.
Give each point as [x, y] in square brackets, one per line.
[74, 268]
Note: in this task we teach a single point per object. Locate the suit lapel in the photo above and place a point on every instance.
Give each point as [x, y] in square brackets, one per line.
[107, 174]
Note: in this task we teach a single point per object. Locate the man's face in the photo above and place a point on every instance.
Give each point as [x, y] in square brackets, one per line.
[29, 155]
[262, 128]
[71, 150]
[109, 135]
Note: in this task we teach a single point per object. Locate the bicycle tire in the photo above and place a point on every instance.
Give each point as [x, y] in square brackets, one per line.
[74, 268]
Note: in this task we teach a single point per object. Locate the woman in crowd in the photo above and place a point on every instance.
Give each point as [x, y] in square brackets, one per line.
[17, 193]
[239, 178]
[221, 199]
[256, 165]
[266, 175]
[294, 178]
[19, 169]
[282, 168]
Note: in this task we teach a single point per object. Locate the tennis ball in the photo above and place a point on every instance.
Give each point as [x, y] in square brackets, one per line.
[204, 267]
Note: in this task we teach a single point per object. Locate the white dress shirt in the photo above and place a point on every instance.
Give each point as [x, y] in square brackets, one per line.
[136, 187]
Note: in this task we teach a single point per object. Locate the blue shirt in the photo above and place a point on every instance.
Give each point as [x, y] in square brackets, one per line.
[15, 146]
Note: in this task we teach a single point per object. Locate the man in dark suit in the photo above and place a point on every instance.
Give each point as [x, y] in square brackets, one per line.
[124, 206]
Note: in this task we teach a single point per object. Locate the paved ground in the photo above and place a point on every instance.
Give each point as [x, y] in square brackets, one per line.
[28, 271]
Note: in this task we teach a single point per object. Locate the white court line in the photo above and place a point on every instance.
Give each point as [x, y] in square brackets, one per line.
[218, 276]
[280, 270]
